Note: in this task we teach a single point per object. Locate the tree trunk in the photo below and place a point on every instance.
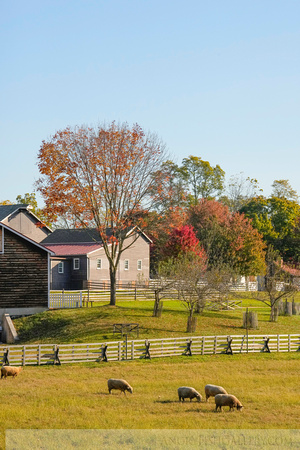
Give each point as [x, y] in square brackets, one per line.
[113, 282]
[191, 324]
[274, 314]
[156, 304]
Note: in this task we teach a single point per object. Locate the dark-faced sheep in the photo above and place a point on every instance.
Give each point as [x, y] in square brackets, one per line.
[227, 400]
[188, 392]
[9, 371]
[211, 390]
[120, 385]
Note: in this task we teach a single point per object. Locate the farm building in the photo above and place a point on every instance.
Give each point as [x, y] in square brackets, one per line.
[24, 273]
[20, 218]
[79, 259]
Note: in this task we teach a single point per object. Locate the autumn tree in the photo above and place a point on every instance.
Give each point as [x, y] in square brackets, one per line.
[277, 220]
[239, 190]
[169, 190]
[158, 227]
[283, 189]
[101, 176]
[202, 179]
[228, 238]
[181, 250]
[183, 240]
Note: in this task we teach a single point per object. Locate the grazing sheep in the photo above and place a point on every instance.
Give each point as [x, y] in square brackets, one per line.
[188, 392]
[121, 385]
[211, 390]
[9, 371]
[227, 400]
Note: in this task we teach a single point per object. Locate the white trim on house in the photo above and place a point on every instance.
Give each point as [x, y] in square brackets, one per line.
[2, 242]
[75, 265]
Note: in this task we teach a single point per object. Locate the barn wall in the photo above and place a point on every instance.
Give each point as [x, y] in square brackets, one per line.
[23, 274]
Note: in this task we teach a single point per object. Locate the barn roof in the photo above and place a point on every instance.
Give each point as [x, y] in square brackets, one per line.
[72, 249]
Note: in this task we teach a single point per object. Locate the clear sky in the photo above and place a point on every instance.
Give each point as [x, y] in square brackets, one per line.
[218, 79]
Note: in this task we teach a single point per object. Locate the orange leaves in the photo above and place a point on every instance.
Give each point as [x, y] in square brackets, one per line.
[99, 176]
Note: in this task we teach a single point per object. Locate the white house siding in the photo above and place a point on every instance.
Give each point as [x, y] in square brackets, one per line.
[140, 250]
[94, 274]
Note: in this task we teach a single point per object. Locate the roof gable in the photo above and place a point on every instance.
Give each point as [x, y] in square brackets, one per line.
[8, 210]
[42, 247]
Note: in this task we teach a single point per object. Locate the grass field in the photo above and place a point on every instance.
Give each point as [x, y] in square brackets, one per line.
[76, 396]
[96, 324]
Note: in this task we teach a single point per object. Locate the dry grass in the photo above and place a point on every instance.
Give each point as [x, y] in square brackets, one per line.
[76, 396]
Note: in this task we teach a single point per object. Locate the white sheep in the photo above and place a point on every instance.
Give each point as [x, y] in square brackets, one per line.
[211, 390]
[227, 400]
[188, 392]
[120, 385]
[9, 371]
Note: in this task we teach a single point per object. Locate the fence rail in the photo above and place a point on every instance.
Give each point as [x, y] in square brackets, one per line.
[78, 299]
[38, 354]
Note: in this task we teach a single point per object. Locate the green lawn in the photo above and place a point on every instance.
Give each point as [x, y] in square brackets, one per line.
[96, 324]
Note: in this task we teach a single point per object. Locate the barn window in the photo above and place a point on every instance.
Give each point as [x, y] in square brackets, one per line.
[61, 267]
[99, 263]
[76, 263]
[126, 264]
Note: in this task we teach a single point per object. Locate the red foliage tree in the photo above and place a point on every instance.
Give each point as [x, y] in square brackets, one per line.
[182, 241]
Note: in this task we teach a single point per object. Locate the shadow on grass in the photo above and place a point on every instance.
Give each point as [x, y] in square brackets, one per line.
[41, 326]
[163, 402]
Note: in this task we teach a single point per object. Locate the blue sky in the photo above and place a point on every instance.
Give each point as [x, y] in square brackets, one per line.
[217, 79]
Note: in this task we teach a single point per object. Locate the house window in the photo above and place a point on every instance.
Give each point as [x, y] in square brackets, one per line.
[76, 263]
[99, 263]
[61, 267]
[139, 264]
[126, 264]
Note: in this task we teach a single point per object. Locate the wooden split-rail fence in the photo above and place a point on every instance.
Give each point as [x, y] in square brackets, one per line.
[38, 354]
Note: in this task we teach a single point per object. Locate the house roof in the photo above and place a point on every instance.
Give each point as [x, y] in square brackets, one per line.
[81, 236]
[42, 247]
[73, 236]
[73, 249]
[8, 210]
